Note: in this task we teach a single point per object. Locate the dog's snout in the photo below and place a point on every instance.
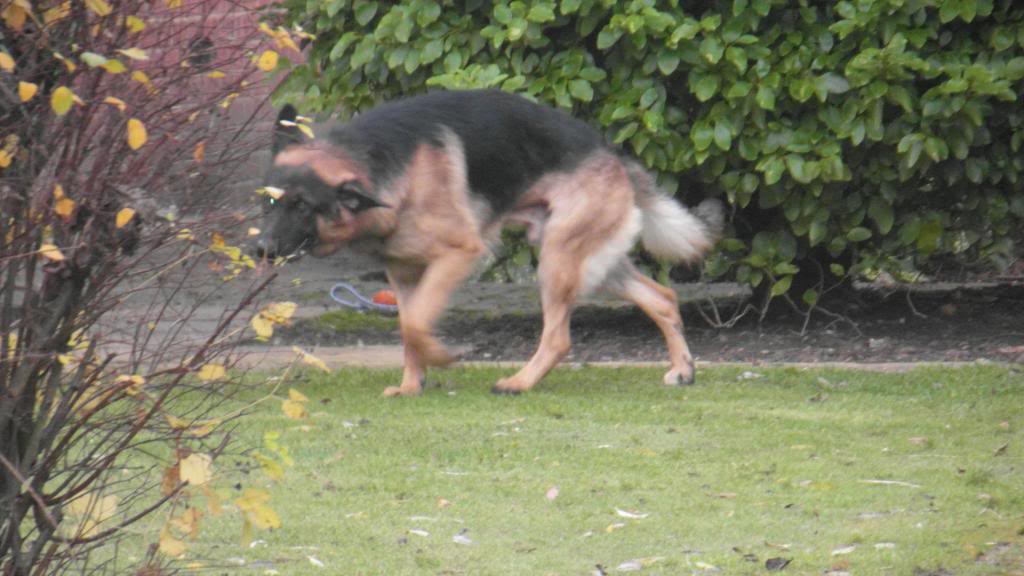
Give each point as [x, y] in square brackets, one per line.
[262, 248]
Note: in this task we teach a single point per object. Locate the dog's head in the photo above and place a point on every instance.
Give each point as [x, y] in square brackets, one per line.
[312, 201]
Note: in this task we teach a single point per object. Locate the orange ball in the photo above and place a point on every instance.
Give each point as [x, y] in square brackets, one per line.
[385, 297]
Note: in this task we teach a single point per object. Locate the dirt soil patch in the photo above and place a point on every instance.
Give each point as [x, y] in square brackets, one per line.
[945, 325]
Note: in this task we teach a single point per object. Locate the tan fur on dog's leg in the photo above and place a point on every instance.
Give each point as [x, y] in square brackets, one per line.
[403, 280]
[660, 303]
[429, 299]
[560, 282]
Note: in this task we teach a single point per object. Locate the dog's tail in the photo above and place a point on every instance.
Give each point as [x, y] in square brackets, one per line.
[670, 231]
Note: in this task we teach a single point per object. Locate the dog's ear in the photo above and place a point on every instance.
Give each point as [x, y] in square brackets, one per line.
[353, 197]
[286, 129]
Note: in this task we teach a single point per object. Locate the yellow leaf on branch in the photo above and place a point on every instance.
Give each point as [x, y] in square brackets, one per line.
[61, 100]
[136, 134]
[134, 53]
[254, 503]
[62, 205]
[188, 522]
[297, 396]
[51, 252]
[308, 358]
[134, 24]
[200, 152]
[115, 102]
[114, 67]
[197, 469]
[280, 312]
[276, 313]
[16, 13]
[134, 383]
[100, 7]
[58, 12]
[169, 545]
[6, 62]
[267, 61]
[293, 409]
[210, 372]
[124, 216]
[140, 77]
[5, 159]
[264, 328]
[27, 90]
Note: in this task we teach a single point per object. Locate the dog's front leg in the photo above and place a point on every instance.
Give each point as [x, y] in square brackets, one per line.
[403, 280]
[419, 306]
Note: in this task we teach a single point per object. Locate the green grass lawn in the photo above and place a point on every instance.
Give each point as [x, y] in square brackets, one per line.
[834, 470]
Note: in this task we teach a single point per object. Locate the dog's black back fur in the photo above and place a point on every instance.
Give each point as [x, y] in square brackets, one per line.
[509, 142]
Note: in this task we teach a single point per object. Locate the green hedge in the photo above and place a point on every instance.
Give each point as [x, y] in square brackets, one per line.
[860, 135]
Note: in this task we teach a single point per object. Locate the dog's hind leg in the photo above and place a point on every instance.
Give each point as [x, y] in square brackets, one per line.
[584, 237]
[560, 280]
[660, 303]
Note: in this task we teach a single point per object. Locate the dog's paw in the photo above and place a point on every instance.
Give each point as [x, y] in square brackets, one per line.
[675, 377]
[509, 387]
[395, 391]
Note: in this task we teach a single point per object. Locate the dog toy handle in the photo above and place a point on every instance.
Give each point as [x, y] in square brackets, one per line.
[359, 302]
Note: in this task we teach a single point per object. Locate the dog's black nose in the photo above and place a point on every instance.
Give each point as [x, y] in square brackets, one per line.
[261, 249]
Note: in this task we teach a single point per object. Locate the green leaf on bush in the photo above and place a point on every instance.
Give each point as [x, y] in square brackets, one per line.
[541, 13]
[432, 51]
[781, 286]
[858, 234]
[881, 212]
[817, 232]
[711, 49]
[365, 11]
[765, 98]
[706, 88]
[723, 138]
[668, 62]
[581, 90]
[810, 297]
[607, 38]
[702, 136]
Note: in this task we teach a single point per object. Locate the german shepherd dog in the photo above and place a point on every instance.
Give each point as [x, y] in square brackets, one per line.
[426, 183]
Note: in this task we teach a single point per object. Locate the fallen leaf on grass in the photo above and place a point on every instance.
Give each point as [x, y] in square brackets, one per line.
[552, 493]
[419, 532]
[461, 538]
[777, 564]
[641, 563]
[777, 546]
[1001, 450]
[890, 483]
[315, 561]
[630, 514]
[442, 503]
[843, 550]
[885, 546]
[613, 527]
[919, 440]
